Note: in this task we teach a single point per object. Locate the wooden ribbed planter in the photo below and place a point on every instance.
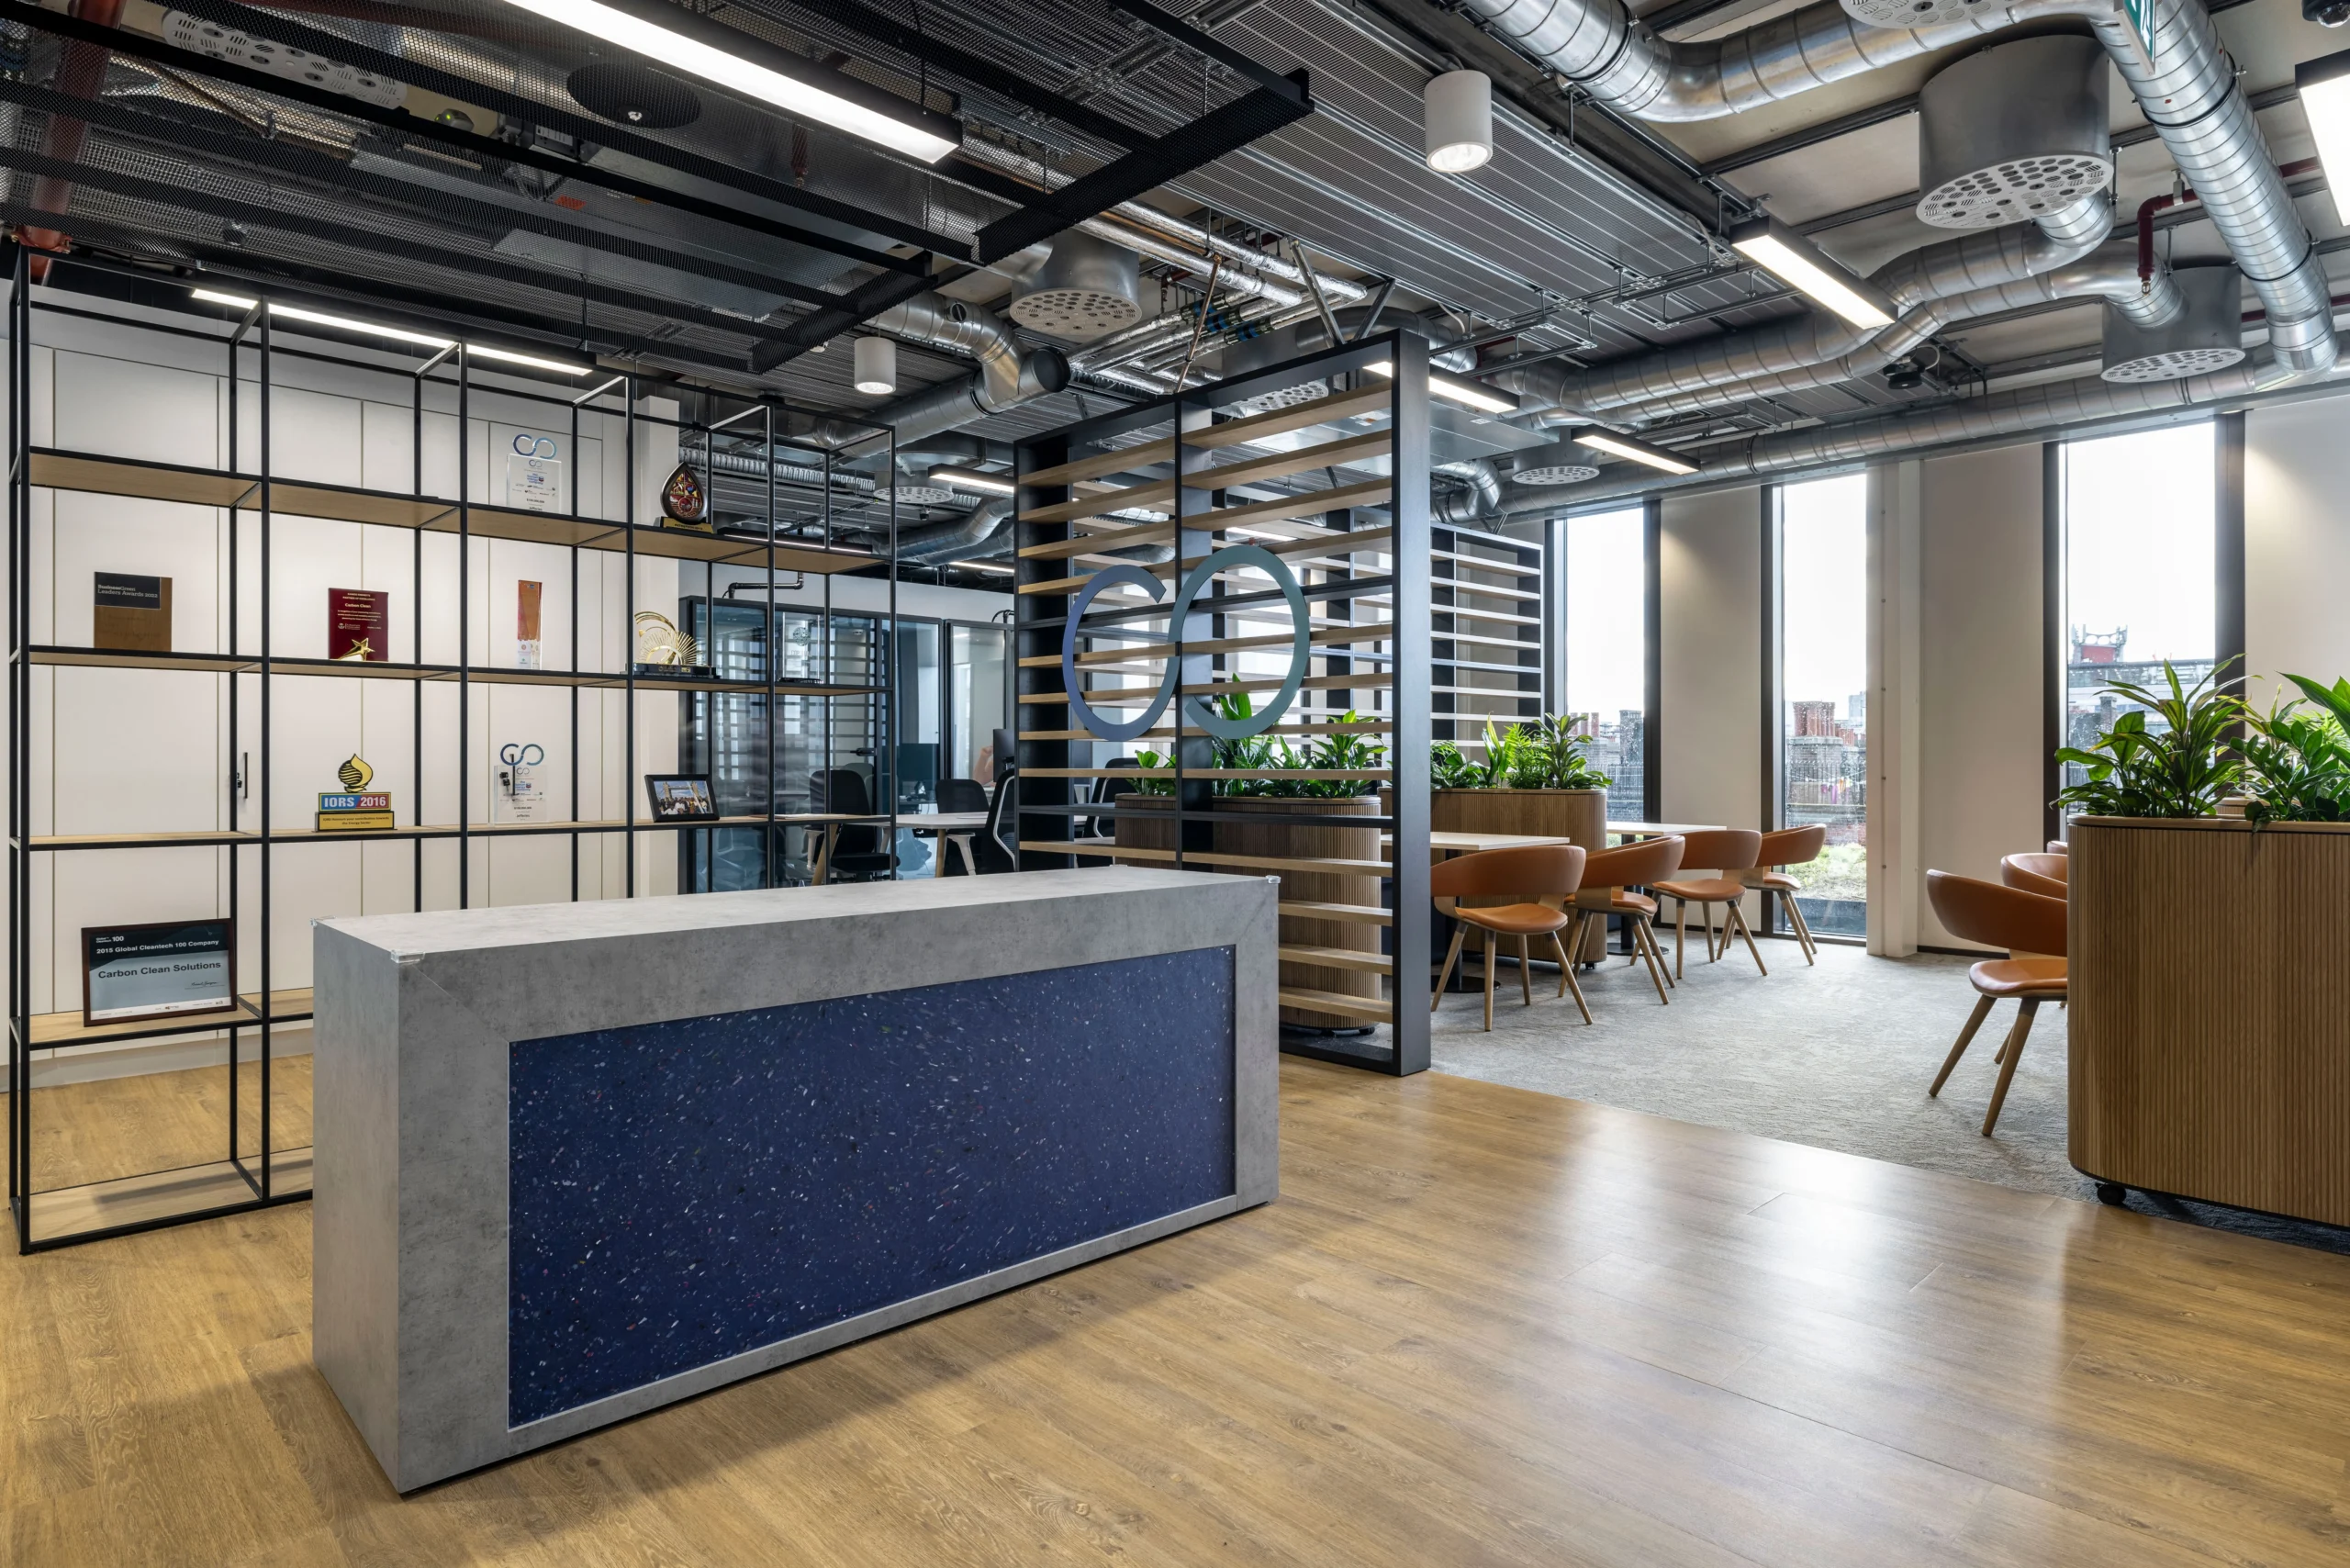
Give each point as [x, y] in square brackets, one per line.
[1287, 840]
[2211, 1011]
[1578, 815]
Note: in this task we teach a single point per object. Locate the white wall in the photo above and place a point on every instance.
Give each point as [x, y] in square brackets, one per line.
[1980, 666]
[124, 750]
[2296, 542]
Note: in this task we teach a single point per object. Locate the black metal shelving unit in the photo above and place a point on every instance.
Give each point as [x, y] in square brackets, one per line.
[798, 529]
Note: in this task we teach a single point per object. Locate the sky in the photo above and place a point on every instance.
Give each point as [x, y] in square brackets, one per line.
[2140, 542]
[1824, 562]
[1607, 613]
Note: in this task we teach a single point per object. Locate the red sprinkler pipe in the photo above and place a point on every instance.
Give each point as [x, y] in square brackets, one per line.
[2152, 205]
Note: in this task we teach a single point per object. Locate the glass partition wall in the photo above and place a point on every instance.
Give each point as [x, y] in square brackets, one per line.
[1823, 676]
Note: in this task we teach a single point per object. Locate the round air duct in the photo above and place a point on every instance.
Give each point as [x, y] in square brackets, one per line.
[922, 495]
[1086, 287]
[1561, 462]
[2208, 335]
[2014, 132]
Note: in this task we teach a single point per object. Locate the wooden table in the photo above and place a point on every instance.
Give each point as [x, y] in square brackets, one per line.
[956, 826]
[820, 864]
[1659, 830]
[1471, 843]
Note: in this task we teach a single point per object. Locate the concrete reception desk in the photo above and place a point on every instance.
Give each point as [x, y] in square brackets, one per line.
[578, 1160]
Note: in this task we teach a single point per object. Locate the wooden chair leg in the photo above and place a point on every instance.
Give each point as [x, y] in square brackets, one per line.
[1486, 945]
[2008, 1068]
[1803, 931]
[1708, 911]
[1566, 978]
[1732, 913]
[1645, 940]
[1525, 974]
[1680, 934]
[1460, 934]
[1965, 1039]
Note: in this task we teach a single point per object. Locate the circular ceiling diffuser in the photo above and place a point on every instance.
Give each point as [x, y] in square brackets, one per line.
[1914, 13]
[633, 94]
[2176, 364]
[1086, 287]
[1556, 473]
[2011, 192]
[1075, 312]
[922, 495]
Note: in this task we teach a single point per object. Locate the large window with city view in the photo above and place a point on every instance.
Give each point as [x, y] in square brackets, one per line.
[1823, 690]
[2141, 555]
[1606, 643]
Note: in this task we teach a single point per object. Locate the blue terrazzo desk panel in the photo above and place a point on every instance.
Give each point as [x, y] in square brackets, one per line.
[685, 1192]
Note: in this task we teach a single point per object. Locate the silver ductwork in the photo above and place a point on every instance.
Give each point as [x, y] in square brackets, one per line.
[1561, 462]
[1479, 497]
[2187, 89]
[2205, 334]
[937, 541]
[1087, 287]
[2054, 407]
[1981, 260]
[2013, 131]
[2110, 273]
[1007, 378]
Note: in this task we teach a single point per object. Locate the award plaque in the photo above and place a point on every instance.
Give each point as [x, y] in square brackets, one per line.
[534, 473]
[684, 502]
[353, 808]
[519, 797]
[663, 650]
[158, 970]
[526, 624]
[131, 614]
[682, 796]
[359, 625]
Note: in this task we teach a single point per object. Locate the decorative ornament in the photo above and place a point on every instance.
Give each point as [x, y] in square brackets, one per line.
[659, 644]
[684, 503]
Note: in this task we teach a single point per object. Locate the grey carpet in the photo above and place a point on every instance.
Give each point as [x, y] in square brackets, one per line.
[1837, 1055]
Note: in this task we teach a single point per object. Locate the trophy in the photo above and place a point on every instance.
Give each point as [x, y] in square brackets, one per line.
[684, 503]
[354, 809]
[663, 650]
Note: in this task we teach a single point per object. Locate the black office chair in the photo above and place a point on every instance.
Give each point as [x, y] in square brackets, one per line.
[1105, 793]
[962, 795]
[989, 848]
[863, 852]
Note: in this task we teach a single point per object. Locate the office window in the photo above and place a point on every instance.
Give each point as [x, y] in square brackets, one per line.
[1823, 690]
[2141, 559]
[1607, 641]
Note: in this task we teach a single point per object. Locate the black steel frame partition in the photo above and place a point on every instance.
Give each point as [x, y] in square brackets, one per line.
[1145, 477]
[255, 1173]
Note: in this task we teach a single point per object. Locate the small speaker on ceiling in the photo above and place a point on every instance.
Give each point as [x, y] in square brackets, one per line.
[634, 95]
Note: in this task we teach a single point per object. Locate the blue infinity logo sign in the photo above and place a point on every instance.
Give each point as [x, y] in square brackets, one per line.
[1194, 711]
[529, 445]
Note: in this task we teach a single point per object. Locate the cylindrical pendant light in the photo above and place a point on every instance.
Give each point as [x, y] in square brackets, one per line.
[876, 366]
[1457, 114]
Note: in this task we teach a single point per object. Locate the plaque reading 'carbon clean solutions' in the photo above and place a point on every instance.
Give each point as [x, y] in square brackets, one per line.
[158, 970]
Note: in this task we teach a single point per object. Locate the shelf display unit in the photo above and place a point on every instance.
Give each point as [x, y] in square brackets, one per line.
[1221, 548]
[1490, 621]
[508, 712]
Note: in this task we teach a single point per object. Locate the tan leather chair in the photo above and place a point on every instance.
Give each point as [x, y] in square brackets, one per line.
[1788, 847]
[2031, 927]
[2058, 847]
[2037, 873]
[1544, 875]
[1730, 852]
[1608, 878]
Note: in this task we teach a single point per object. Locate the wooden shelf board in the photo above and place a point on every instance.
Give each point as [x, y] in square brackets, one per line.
[1281, 465]
[163, 1194]
[128, 476]
[1354, 914]
[1338, 958]
[1100, 463]
[1296, 417]
[1152, 495]
[342, 503]
[56, 1029]
[1331, 1001]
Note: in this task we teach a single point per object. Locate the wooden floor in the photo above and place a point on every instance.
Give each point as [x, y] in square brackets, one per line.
[1481, 1326]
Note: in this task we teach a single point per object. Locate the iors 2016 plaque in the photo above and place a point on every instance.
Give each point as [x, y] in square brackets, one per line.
[158, 970]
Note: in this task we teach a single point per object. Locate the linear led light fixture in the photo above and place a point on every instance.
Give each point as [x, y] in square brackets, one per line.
[1804, 268]
[983, 567]
[1637, 451]
[2324, 86]
[677, 51]
[971, 479]
[1467, 394]
[397, 334]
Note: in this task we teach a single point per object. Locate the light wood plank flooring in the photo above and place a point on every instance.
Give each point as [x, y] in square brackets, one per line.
[1481, 1326]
